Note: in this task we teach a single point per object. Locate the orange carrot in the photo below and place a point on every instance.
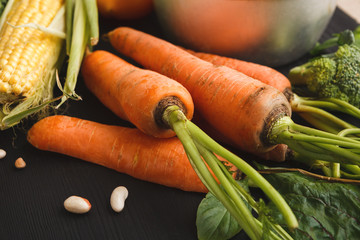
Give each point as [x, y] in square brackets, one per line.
[279, 154]
[252, 115]
[137, 95]
[312, 110]
[234, 104]
[260, 72]
[119, 85]
[129, 151]
[125, 9]
[126, 150]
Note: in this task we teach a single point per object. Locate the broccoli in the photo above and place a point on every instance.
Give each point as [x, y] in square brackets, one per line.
[335, 75]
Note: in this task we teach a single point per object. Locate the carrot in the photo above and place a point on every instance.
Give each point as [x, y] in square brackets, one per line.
[196, 75]
[262, 73]
[312, 110]
[136, 95]
[126, 150]
[253, 115]
[125, 9]
[280, 153]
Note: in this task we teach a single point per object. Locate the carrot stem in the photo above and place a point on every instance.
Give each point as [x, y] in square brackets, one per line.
[247, 169]
[240, 189]
[324, 114]
[314, 143]
[354, 169]
[310, 109]
[335, 170]
[349, 131]
[319, 139]
[342, 141]
[318, 122]
[177, 121]
[344, 107]
[199, 147]
[350, 176]
[230, 190]
[247, 197]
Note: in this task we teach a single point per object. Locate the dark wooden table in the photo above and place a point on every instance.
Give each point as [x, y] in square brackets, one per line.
[31, 199]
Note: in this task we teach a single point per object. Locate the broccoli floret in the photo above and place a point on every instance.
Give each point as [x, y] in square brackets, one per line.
[332, 76]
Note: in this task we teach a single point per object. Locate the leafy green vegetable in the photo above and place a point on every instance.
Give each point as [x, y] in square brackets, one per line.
[324, 210]
[332, 76]
[214, 220]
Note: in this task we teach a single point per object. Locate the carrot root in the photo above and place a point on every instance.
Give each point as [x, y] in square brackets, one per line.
[136, 95]
[126, 150]
[217, 91]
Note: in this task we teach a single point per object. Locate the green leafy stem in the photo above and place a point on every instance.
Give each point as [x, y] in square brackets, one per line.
[203, 152]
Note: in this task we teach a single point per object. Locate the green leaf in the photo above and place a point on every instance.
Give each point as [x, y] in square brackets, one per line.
[324, 210]
[214, 221]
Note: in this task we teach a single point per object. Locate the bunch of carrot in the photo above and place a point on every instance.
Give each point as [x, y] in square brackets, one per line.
[311, 109]
[160, 107]
[252, 115]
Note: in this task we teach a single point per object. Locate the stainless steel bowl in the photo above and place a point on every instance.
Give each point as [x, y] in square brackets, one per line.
[269, 32]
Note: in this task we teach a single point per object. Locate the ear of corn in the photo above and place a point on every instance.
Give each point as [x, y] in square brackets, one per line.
[32, 50]
[29, 57]
[25, 52]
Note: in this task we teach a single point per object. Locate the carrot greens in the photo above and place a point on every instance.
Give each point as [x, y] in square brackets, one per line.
[160, 107]
[201, 150]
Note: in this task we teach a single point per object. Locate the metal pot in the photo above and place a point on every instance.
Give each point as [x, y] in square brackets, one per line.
[269, 32]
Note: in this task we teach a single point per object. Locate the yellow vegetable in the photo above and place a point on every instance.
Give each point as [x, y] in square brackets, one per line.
[32, 49]
[27, 54]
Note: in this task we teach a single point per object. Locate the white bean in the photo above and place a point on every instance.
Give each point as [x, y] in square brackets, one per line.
[118, 197]
[76, 204]
[2, 153]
